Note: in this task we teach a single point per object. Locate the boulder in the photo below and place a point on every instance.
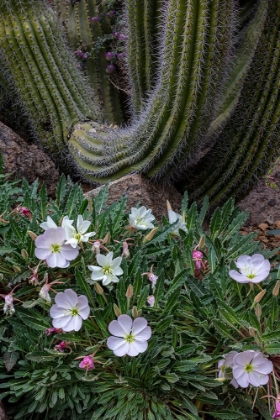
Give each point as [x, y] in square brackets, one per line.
[26, 160]
[140, 189]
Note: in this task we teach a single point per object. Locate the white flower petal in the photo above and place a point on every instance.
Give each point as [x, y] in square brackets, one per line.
[57, 260]
[40, 242]
[97, 273]
[144, 335]
[116, 263]
[243, 261]
[102, 259]
[61, 322]
[139, 324]
[243, 380]
[84, 226]
[55, 236]
[125, 322]
[75, 323]
[67, 299]
[240, 278]
[68, 252]
[140, 346]
[57, 311]
[118, 345]
[73, 242]
[132, 349]
[42, 254]
[116, 329]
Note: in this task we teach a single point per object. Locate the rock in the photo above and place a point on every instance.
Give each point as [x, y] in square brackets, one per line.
[263, 201]
[26, 160]
[144, 191]
[3, 415]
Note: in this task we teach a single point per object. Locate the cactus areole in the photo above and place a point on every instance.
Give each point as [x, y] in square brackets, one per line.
[203, 78]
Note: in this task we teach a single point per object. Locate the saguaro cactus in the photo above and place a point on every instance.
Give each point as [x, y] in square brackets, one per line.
[203, 77]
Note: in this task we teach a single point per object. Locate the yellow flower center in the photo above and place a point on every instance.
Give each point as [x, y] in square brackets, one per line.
[78, 236]
[55, 248]
[249, 368]
[107, 270]
[129, 338]
[74, 311]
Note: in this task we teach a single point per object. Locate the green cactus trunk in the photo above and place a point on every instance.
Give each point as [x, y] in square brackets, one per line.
[43, 72]
[203, 77]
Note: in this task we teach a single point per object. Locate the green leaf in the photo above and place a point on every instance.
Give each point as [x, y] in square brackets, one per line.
[212, 259]
[101, 198]
[172, 378]
[185, 200]
[274, 335]
[178, 281]
[17, 230]
[215, 223]
[4, 251]
[272, 348]
[226, 415]
[203, 210]
[159, 289]
[191, 216]
[43, 201]
[60, 190]
[163, 324]
[41, 357]
[33, 318]
[172, 301]
[220, 326]
[143, 297]
[84, 286]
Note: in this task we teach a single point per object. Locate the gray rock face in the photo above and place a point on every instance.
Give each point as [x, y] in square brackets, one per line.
[140, 189]
[24, 160]
[263, 201]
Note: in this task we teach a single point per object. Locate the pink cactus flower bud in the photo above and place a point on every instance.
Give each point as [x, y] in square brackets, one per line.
[50, 331]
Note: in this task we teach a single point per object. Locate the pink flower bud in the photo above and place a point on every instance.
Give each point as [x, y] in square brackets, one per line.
[24, 211]
[87, 363]
[197, 256]
[151, 300]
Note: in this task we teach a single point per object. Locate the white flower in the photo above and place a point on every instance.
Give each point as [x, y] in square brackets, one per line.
[175, 217]
[9, 305]
[74, 236]
[69, 311]
[252, 269]
[129, 337]
[109, 269]
[251, 368]
[44, 293]
[51, 247]
[225, 365]
[141, 218]
[51, 224]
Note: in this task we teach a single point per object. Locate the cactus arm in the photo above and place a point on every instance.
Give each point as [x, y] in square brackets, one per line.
[27, 32]
[242, 61]
[245, 146]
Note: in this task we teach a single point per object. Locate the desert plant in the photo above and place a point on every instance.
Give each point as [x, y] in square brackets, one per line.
[178, 277]
[203, 79]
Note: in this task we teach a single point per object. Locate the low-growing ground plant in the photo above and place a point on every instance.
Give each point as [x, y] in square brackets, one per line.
[108, 313]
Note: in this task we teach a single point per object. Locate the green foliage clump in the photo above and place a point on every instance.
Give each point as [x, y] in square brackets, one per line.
[198, 316]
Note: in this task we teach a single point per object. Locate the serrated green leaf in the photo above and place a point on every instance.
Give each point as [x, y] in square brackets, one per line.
[143, 296]
[191, 216]
[83, 285]
[163, 324]
[43, 201]
[178, 281]
[60, 190]
[272, 348]
[227, 415]
[172, 378]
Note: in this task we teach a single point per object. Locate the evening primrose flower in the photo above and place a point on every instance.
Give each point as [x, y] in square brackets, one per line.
[51, 224]
[252, 269]
[225, 366]
[50, 246]
[108, 269]
[129, 337]
[141, 218]
[74, 236]
[251, 368]
[176, 217]
[9, 305]
[69, 311]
